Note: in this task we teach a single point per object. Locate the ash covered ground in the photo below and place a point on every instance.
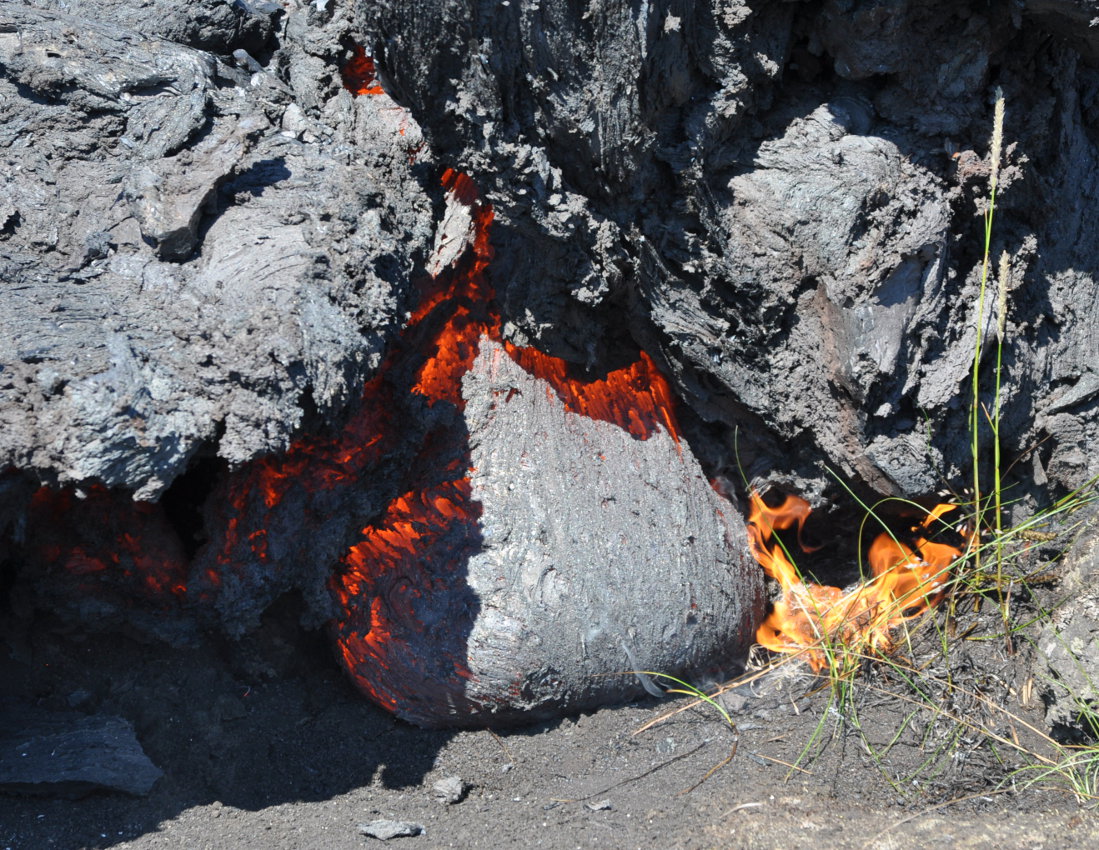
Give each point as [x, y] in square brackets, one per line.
[268, 745]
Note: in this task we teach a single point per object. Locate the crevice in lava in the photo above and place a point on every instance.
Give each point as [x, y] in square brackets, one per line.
[368, 528]
[102, 560]
[359, 73]
[184, 500]
[280, 647]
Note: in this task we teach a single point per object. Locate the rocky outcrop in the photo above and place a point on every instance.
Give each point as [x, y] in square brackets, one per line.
[209, 244]
[1067, 671]
[65, 753]
[779, 199]
[783, 198]
[199, 251]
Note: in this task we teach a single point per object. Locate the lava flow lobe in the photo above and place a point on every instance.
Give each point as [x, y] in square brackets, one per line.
[526, 532]
[515, 577]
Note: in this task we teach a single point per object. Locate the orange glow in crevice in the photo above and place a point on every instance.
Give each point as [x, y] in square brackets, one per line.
[905, 580]
[385, 587]
[417, 550]
[107, 544]
[636, 397]
[266, 508]
[359, 74]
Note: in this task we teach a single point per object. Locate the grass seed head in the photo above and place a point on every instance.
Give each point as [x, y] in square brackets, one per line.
[997, 137]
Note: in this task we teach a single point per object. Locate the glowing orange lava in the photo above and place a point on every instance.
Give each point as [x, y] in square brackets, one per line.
[415, 550]
[636, 397]
[359, 74]
[419, 545]
[905, 579]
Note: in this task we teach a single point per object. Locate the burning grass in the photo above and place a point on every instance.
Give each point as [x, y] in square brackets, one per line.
[940, 702]
[907, 576]
[951, 690]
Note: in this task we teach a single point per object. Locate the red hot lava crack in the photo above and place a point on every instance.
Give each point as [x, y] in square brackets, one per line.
[438, 524]
[380, 584]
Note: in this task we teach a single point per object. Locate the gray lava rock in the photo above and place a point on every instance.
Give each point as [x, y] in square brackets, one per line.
[180, 275]
[592, 553]
[384, 830]
[601, 552]
[71, 754]
[768, 193]
[450, 790]
[1067, 667]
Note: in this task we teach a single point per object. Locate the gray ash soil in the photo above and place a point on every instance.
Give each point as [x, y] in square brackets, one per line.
[264, 744]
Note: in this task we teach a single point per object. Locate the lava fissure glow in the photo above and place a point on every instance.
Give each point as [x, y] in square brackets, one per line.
[359, 74]
[260, 517]
[438, 523]
[106, 542]
[905, 581]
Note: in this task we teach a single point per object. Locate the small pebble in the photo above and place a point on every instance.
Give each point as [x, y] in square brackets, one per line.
[386, 829]
[451, 790]
[601, 806]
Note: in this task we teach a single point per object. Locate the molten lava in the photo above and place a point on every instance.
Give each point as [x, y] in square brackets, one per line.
[636, 397]
[99, 544]
[273, 523]
[906, 578]
[420, 545]
[359, 74]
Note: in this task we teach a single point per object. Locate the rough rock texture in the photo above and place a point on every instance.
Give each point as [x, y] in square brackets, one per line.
[769, 194]
[779, 197]
[208, 243]
[600, 552]
[1068, 674]
[195, 255]
[584, 552]
[71, 754]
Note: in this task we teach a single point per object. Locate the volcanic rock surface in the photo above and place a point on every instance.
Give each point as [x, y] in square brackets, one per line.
[583, 553]
[66, 753]
[197, 254]
[783, 198]
[209, 243]
[1069, 644]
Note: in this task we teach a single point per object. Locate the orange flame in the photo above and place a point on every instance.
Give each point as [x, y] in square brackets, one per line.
[905, 581]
